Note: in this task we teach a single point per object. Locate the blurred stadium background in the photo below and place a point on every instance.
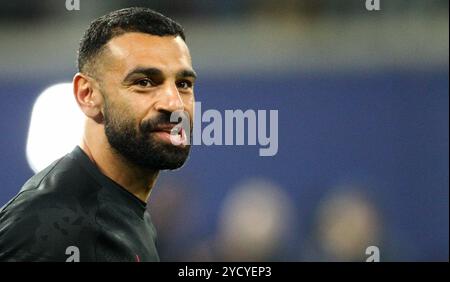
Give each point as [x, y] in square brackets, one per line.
[363, 114]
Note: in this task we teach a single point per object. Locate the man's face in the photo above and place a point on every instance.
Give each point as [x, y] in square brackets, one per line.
[143, 79]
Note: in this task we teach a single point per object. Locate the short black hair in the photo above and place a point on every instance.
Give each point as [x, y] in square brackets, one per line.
[135, 19]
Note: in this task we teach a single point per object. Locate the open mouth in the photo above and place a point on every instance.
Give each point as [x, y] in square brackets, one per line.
[174, 134]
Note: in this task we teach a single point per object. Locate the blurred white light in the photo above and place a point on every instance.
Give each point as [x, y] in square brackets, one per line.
[56, 126]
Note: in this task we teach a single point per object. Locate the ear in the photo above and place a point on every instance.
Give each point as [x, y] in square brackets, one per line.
[89, 100]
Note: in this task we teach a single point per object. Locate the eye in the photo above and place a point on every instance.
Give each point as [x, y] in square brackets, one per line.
[184, 84]
[145, 82]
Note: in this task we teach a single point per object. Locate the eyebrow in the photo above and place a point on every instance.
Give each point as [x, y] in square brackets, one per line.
[157, 72]
[145, 71]
[187, 73]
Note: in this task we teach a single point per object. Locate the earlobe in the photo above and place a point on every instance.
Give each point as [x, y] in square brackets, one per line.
[89, 100]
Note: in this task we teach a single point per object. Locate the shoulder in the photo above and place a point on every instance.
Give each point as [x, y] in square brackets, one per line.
[45, 221]
[43, 229]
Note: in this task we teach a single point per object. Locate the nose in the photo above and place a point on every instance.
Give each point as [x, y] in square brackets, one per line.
[169, 99]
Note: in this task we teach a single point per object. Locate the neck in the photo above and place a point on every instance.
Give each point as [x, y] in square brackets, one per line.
[136, 180]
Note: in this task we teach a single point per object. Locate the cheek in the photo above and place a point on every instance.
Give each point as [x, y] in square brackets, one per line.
[189, 103]
[125, 114]
[186, 98]
[139, 106]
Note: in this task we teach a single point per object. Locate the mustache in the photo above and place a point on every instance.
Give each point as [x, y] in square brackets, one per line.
[159, 122]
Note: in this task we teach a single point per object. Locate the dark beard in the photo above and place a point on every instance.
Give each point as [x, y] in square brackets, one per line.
[140, 147]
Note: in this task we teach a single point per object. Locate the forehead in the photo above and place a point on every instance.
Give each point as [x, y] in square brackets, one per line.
[168, 53]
